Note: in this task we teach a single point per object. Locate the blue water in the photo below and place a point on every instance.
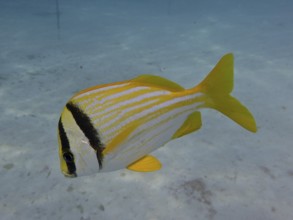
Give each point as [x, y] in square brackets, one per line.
[47, 53]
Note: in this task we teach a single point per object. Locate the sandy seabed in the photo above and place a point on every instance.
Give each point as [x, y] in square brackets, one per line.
[221, 172]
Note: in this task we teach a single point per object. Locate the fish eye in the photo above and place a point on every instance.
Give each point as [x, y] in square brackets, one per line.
[68, 157]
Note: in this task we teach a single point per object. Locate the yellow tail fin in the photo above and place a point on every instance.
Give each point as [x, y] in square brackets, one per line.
[217, 86]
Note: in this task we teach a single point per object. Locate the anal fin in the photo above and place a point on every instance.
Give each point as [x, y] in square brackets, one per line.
[192, 123]
[147, 163]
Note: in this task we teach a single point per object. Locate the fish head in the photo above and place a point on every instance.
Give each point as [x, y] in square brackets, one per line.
[77, 157]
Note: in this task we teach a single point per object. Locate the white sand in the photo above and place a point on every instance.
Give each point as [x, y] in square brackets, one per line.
[221, 172]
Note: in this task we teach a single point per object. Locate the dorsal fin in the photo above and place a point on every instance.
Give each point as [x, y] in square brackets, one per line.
[159, 82]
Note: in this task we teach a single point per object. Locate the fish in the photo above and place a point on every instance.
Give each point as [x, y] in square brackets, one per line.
[117, 125]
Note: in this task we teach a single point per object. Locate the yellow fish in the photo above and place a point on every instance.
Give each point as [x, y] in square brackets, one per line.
[115, 126]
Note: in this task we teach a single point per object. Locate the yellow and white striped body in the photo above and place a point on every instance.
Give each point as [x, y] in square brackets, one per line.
[113, 126]
[155, 113]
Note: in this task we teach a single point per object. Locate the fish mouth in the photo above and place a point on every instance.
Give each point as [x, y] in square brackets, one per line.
[69, 175]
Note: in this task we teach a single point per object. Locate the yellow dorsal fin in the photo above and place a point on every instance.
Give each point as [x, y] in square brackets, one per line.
[147, 163]
[157, 81]
[192, 123]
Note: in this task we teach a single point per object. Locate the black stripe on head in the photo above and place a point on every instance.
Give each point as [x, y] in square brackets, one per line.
[85, 124]
[66, 153]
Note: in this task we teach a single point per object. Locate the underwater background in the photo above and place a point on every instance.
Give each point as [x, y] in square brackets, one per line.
[50, 49]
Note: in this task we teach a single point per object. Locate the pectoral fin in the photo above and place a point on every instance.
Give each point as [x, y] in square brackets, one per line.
[120, 138]
[192, 123]
[146, 164]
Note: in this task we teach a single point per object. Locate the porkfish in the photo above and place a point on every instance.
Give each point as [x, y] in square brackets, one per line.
[115, 126]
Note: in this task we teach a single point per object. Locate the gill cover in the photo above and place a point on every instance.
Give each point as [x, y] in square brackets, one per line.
[80, 148]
